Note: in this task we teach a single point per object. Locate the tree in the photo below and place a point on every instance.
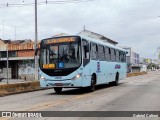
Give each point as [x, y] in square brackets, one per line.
[151, 65]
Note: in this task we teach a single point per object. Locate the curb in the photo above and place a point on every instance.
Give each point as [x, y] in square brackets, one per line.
[8, 89]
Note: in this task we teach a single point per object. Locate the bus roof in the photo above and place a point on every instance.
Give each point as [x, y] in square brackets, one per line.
[101, 42]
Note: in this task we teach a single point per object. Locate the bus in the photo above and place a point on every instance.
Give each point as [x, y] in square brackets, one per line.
[79, 61]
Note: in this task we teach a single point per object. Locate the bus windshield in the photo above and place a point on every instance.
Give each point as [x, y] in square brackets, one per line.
[60, 53]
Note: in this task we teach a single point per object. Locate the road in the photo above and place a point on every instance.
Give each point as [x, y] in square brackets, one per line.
[140, 93]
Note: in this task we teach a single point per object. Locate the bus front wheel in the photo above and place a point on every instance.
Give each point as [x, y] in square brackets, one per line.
[58, 89]
[93, 84]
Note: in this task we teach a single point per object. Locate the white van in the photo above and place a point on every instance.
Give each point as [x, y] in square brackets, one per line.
[143, 68]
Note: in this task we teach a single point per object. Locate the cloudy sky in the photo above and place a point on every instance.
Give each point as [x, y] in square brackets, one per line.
[133, 23]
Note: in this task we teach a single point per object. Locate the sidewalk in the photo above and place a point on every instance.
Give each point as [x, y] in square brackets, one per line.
[11, 81]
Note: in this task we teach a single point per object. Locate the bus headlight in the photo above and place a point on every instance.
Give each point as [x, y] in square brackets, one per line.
[42, 78]
[77, 76]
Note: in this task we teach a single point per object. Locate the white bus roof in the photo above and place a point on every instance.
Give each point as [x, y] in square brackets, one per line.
[101, 42]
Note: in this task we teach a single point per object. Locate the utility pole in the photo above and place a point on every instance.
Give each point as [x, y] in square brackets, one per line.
[15, 31]
[6, 53]
[7, 64]
[35, 42]
[3, 29]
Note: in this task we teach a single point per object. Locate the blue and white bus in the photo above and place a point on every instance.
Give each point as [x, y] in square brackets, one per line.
[79, 61]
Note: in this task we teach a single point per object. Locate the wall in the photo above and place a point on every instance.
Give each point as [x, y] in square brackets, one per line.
[4, 73]
[134, 58]
[3, 46]
[18, 52]
[136, 69]
[26, 69]
[25, 53]
[27, 46]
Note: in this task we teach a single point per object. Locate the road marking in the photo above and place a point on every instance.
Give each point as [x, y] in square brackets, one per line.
[54, 103]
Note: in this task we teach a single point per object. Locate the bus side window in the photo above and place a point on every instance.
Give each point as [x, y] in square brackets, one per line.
[85, 50]
[101, 52]
[113, 55]
[94, 51]
[121, 56]
[107, 54]
[124, 57]
[117, 55]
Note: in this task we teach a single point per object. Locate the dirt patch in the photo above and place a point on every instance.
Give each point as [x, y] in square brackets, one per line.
[136, 74]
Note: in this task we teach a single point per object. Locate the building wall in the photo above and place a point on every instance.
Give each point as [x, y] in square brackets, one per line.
[132, 57]
[133, 60]
[25, 53]
[3, 46]
[26, 46]
[21, 58]
[26, 69]
[4, 73]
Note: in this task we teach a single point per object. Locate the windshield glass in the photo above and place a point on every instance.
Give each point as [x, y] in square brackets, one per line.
[60, 55]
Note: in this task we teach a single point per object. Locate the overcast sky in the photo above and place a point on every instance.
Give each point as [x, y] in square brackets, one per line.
[132, 23]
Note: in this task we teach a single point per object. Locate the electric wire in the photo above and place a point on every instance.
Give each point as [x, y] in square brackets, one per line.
[42, 3]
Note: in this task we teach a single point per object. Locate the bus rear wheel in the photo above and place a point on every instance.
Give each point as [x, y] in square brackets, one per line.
[116, 82]
[92, 87]
[58, 89]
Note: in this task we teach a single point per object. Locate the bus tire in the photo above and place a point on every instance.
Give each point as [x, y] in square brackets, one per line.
[58, 89]
[92, 87]
[116, 82]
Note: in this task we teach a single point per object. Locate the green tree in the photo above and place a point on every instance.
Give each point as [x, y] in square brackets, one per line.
[151, 65]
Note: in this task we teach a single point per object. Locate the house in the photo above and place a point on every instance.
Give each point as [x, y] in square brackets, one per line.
[20, 57]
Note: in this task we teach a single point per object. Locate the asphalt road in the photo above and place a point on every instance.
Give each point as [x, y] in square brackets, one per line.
[140, 93]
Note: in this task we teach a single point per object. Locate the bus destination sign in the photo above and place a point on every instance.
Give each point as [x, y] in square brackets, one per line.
[60, 40]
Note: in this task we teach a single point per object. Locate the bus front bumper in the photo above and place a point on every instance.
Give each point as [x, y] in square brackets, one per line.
[62, 83]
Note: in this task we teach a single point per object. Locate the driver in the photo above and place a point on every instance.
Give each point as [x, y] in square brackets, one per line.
[71, 54]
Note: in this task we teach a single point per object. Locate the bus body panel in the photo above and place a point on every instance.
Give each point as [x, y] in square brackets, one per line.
[107, 71]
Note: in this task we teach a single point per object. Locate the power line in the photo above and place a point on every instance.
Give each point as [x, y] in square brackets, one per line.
[42, 3]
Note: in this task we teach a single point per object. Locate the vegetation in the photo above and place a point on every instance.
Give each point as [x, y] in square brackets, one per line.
[152, 65]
